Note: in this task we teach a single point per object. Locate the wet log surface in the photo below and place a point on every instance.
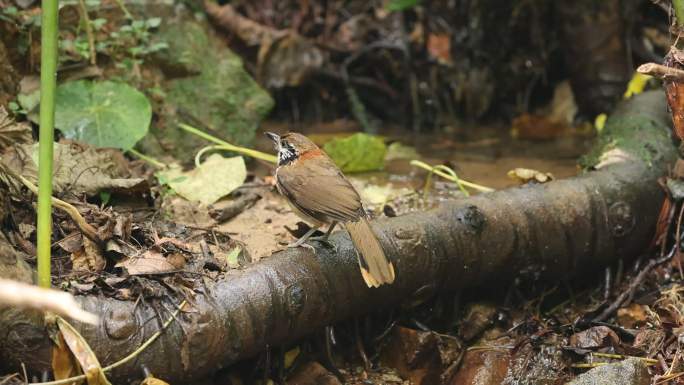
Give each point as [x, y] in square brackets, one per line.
[549, 232]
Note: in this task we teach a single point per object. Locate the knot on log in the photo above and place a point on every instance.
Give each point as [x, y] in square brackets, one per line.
[621, 219]
[120, 324]
[472, 217]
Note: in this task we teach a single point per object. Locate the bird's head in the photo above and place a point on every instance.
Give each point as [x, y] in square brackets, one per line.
[290, 146]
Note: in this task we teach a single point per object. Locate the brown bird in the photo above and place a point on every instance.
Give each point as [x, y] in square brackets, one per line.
[320, 194]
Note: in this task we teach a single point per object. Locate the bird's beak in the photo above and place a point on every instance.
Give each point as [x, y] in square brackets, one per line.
[273, 136]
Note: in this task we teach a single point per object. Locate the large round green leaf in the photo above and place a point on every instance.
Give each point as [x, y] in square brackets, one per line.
[104, 114]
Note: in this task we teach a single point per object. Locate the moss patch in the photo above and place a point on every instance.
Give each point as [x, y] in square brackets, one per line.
[639, 127]
[207, 87]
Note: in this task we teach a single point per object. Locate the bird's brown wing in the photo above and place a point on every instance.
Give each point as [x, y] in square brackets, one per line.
[317, 188]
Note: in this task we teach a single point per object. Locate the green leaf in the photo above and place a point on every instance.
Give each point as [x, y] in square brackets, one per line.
[14, 107]
[105, 196]
[153, 22]
[99, 23]
[29, 101]
[397, 150]
[104, 114]
[11, 10]
[212, 180]
[401, 5]
[357, 153]
[232, 258]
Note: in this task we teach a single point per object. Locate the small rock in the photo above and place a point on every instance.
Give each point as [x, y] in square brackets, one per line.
[631, 371]
[594, 338]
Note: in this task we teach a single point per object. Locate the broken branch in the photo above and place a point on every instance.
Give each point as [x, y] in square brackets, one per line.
[22, 295]
[661, 71]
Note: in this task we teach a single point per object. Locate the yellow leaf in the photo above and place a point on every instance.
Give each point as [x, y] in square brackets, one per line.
[212, 180]
[600, 122]
[526, 175]
[636, 85]
[153, 381]
[291, 356]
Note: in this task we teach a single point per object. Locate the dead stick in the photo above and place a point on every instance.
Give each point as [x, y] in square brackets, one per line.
[661, 71]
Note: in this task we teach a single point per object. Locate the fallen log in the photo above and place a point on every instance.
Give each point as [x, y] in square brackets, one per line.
[550, 231]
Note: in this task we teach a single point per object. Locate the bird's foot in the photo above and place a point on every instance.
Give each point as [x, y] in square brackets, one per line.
[323, 240]
[294, 245]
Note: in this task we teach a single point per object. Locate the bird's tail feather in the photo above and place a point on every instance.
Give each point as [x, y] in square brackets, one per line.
[376, 269]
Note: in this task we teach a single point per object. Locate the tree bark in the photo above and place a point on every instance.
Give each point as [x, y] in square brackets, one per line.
[550, 231]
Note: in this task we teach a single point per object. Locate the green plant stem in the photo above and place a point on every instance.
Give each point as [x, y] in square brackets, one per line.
[89, 31]
[147, 159]
[48, 84]
[223, 145]
[444, 175]
[678, 6]
[124, 9]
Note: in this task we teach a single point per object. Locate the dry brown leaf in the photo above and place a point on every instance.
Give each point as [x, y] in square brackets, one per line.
[439, 47]
[674, 89]
[535, 127]
[71, 243]
[64, 364]
[632, 316]
[88, 258]
[11, 132]
[251, 32]
[663, 222]
[150, 262]
[83, 354]
[77, 169]
[594, 338]
[266, 220]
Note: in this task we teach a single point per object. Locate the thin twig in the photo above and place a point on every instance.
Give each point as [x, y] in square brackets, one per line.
[8, 378]
[633, 285]
[147, 158]
[444, 175]
[124, 360]
[223, 145]
[359, 346]
[590, 365]
[650, 361]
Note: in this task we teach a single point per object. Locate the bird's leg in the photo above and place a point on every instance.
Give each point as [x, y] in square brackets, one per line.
[324, 239]
[304, 238]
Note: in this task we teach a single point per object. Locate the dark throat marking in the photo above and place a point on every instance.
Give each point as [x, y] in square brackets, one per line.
[287, 154]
